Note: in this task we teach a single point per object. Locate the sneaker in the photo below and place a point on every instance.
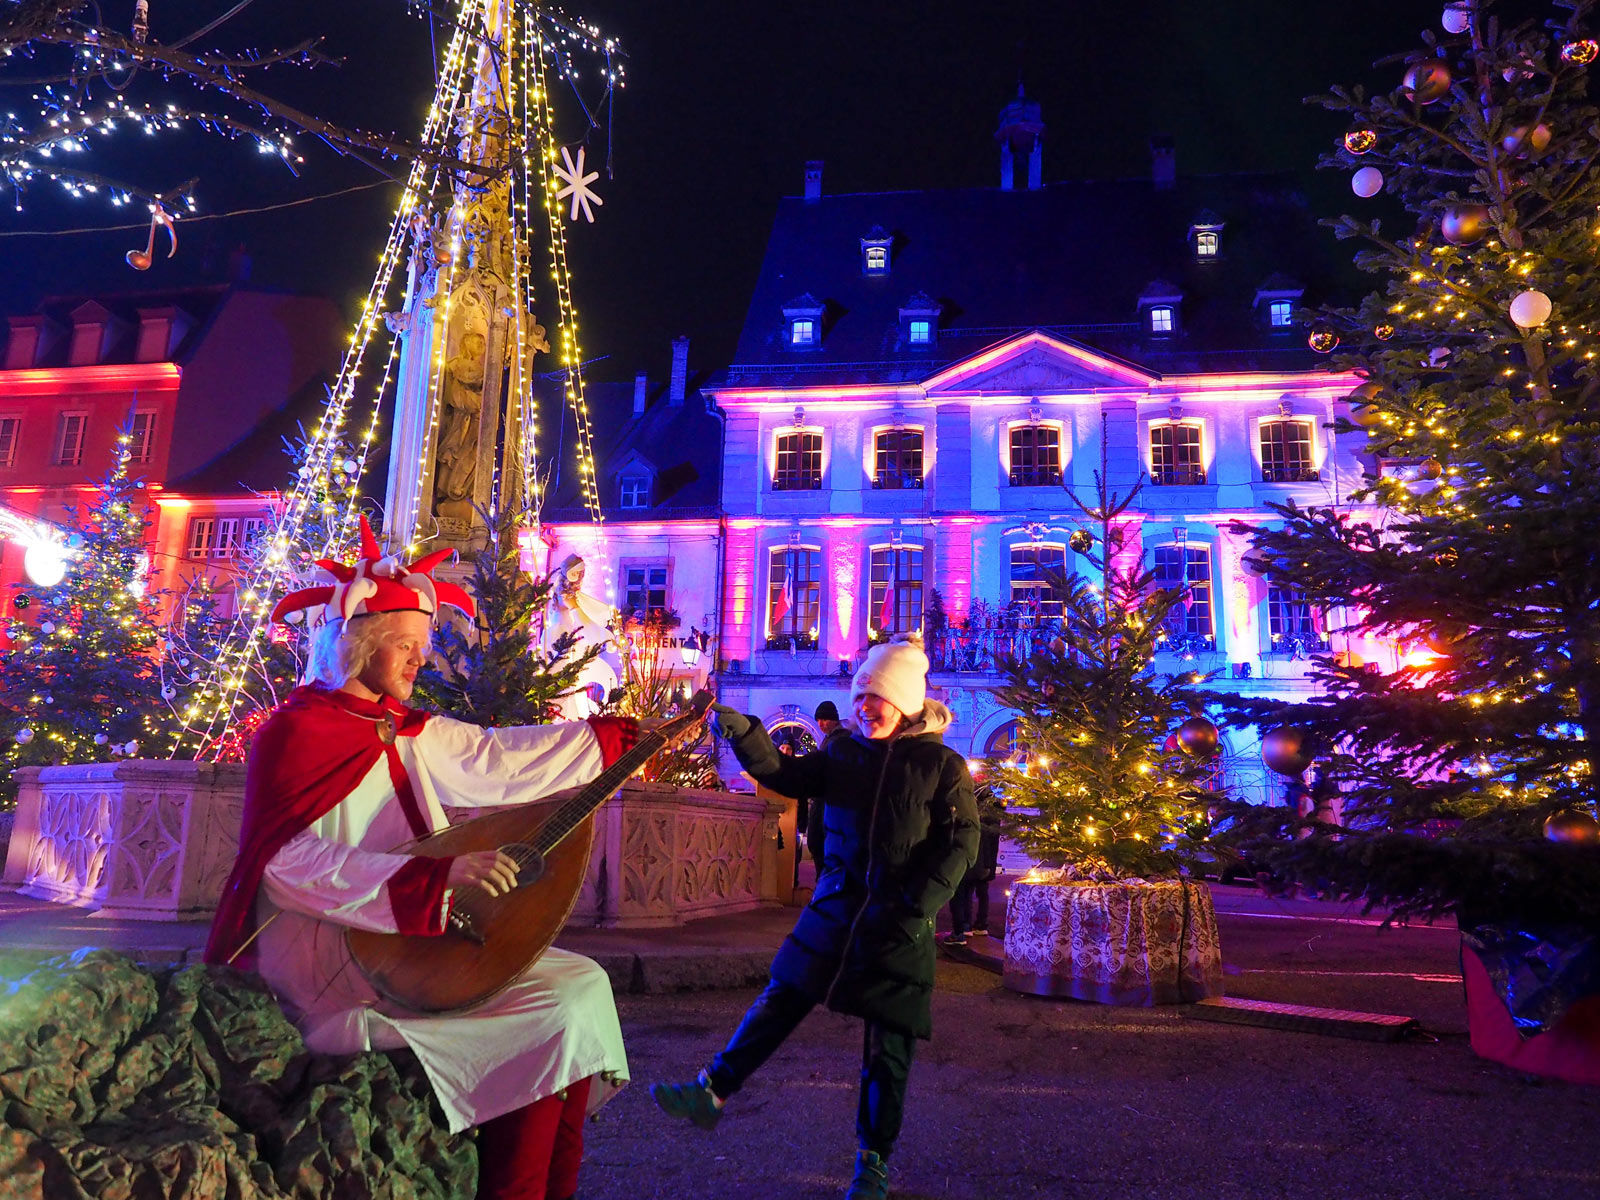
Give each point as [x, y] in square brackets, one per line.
[978, 933]
[956, 939]
[691, 1101]
[872, 1177]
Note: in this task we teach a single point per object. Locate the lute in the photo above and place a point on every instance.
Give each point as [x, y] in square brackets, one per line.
[489, 941]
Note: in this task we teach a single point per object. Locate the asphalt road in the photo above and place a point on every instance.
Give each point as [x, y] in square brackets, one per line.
[1022, 1097]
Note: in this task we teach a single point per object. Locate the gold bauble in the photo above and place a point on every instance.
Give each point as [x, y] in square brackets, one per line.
[1427, 81]
[1572, 825]
[1363, 405]
[1360, 141]
[1197, 737]
[1287, 751]
[1464, 224]
[1383, 332]
[1323, 341]
[1581, 53]
[1430, 468]
[1525, 142]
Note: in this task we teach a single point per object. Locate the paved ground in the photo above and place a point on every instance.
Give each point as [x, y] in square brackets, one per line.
[1022, 1097]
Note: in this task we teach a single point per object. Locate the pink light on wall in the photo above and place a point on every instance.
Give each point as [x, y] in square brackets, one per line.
[739, 593]
[845, 555]
[1242, 594]
[954, 556]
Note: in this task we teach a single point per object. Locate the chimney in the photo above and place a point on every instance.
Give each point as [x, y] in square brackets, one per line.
[1163, 163]
[680, 370]
[1021, 132]
[814, 179]
[641, 386]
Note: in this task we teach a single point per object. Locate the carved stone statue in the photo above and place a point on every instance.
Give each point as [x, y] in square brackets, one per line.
[574, 611]
[464, 373]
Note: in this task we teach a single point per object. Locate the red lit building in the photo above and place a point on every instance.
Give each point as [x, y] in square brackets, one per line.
[209, 380]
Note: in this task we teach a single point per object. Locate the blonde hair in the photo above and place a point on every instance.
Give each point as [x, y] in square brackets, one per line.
[340, 650]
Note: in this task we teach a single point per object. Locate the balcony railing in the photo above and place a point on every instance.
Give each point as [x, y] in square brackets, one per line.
[1187, 644]
[987, 646]
[1297, 645]
[797, 481]
[895, 482]
[1036, 477]
[1178, 476]
[1290, 475]
[792, 641]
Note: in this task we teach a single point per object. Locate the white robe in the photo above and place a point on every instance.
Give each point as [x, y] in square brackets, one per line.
[554, 1026]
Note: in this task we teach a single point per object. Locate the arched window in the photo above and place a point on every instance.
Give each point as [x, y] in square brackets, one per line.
[1003, 743]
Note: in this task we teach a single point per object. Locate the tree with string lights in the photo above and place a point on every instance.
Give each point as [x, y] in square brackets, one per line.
[80, 680]
[1465, 752]
[1112, 772]
[80, 76]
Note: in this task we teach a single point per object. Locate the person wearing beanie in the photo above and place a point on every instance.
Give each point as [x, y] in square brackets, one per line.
[900, 830]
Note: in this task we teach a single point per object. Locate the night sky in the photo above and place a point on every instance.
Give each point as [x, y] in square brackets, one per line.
[726, 100]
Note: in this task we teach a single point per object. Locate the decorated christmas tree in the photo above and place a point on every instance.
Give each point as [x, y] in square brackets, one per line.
[1459, 728]
[650, 689]
[492, 670]
[1112, 770]
[80, 681]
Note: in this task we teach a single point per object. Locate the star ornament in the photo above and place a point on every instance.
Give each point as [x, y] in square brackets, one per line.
[572, 174]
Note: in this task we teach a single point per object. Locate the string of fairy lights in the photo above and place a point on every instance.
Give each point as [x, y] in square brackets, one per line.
[483, 41]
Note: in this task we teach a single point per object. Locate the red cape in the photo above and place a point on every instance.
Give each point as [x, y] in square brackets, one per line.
[306, 757]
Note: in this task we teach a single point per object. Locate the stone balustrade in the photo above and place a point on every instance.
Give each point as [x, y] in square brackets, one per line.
[156, 840]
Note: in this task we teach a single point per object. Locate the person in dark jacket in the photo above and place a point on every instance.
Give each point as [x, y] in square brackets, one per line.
[984, 868]
[827, 719]
[900, 830]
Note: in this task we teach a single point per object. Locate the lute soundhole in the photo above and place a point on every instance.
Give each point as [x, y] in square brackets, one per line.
[530, 863]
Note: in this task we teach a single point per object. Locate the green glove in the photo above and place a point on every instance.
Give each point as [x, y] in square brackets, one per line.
[729, 722]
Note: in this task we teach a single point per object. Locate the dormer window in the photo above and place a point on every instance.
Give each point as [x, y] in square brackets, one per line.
[875, 249]
[635, 492]
[802, 322]
[1205, 234]
[1275, 301]
[1158, 308]
[919, 321]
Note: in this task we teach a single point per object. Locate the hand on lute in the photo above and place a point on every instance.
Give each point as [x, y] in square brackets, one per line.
[492, 870]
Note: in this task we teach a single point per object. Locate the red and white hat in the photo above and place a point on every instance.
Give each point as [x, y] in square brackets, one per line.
[375, 584]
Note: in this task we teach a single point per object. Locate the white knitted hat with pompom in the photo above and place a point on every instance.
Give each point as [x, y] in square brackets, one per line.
[895, 671]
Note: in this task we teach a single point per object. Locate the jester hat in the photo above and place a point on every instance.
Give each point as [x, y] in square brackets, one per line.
[375, 584]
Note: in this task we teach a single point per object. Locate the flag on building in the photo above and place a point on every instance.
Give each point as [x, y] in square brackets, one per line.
[785, 602]
[886, 609]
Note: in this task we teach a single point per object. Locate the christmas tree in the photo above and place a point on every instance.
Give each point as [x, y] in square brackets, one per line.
[492, 671]
[80, 681]
[649, 689]
[1112, 772]
[1465, 712]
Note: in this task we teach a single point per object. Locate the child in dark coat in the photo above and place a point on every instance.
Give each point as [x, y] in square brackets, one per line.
[900, 831]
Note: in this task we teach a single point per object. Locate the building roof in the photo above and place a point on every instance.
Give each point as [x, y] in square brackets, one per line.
[1070, 258]
[680, 445]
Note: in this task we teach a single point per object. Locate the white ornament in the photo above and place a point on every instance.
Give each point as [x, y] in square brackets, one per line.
[24, 736]
[100, 739]
[1367, 182]
[1530, 309]
[1457, 18]
[1438, 356]
[47, 627]
[167, 693]
[351, 466]
[577, 185]
[45, 563]
[130, 749]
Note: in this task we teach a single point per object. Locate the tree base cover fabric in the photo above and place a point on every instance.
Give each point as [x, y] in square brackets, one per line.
[192, 1084]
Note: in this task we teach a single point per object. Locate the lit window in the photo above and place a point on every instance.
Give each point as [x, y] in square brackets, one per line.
[1005, 743]
[1289, 612]
[899, 459]
[1175, 456]
[799, 466]
[1035, 456]
[213, 537]
[1034, 571]
[645, 587]
[1161, 318]
[1205, 244]
[1186, 570]
[142, 437]
[898, 571]
[803, 332]
[635, 491]
[9, 428]
[921, 333]
[877, 260]
[69, 439]
[1280, 313]
[1286, 452]
[794, 598]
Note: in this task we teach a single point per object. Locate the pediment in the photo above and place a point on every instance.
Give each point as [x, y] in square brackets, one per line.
[1035, 363]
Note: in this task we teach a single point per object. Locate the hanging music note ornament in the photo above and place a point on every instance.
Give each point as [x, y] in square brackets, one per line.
[140, 260]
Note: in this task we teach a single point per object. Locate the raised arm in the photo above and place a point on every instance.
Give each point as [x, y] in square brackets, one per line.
[792, 776]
